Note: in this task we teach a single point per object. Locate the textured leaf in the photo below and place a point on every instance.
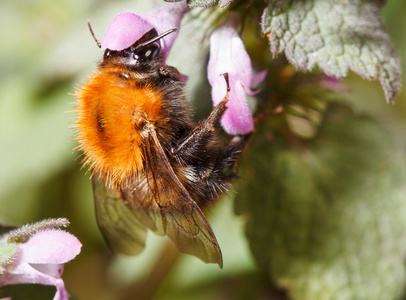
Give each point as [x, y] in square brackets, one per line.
[327, 220]
[336, 35]
[205, 3]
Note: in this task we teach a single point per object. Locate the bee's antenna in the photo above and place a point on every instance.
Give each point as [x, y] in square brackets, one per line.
[157, 38]
[92, 33]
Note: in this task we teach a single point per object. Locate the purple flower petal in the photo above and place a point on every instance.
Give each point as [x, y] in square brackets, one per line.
[26, 273]
[228, 55]
[259, 77]
[50, 247]
[40, 260]
[166, 18]
[124, 31]
[256, 79]
[237, 119]
[128, 27]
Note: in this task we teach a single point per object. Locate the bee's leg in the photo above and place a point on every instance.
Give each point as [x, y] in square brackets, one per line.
[169, 72]
[205, 129]
[218, 175]
[228, 162]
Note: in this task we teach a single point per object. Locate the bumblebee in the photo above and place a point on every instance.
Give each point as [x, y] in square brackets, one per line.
[152, 167]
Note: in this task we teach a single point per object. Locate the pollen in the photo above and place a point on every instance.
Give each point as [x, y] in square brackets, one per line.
[111, 116]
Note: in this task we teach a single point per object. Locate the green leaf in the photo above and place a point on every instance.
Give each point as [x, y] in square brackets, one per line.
[207, 3]
[337, 35]
[326, 219]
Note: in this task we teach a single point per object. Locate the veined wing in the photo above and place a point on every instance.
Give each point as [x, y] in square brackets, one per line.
[168, 207]
[120, 228]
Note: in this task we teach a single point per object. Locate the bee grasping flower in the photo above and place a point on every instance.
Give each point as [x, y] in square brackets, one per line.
[228, 55]
[153, 168]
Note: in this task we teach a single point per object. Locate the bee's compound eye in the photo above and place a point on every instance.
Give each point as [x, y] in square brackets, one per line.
[148, 52]
[107, 53]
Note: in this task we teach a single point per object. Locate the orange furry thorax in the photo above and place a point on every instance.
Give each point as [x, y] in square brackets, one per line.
[111, 113]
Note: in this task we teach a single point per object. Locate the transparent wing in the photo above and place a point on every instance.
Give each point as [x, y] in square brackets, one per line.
[168, 209]
[120, 228]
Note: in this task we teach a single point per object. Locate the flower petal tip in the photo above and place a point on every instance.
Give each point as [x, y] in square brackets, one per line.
[238, 128]
[51, 247]
[259, 77]
[237, 119]
[125, 30]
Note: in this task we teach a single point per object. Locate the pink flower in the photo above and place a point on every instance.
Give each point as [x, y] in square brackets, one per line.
[128, 27]
[40, 260]
[228, 55]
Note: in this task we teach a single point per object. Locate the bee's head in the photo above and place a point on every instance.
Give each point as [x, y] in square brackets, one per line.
[132, 41]
[141, 53]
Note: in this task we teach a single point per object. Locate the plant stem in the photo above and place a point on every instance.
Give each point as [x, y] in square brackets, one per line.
[147, 287]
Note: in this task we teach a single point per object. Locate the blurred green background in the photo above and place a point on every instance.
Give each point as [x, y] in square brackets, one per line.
[46, 53]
